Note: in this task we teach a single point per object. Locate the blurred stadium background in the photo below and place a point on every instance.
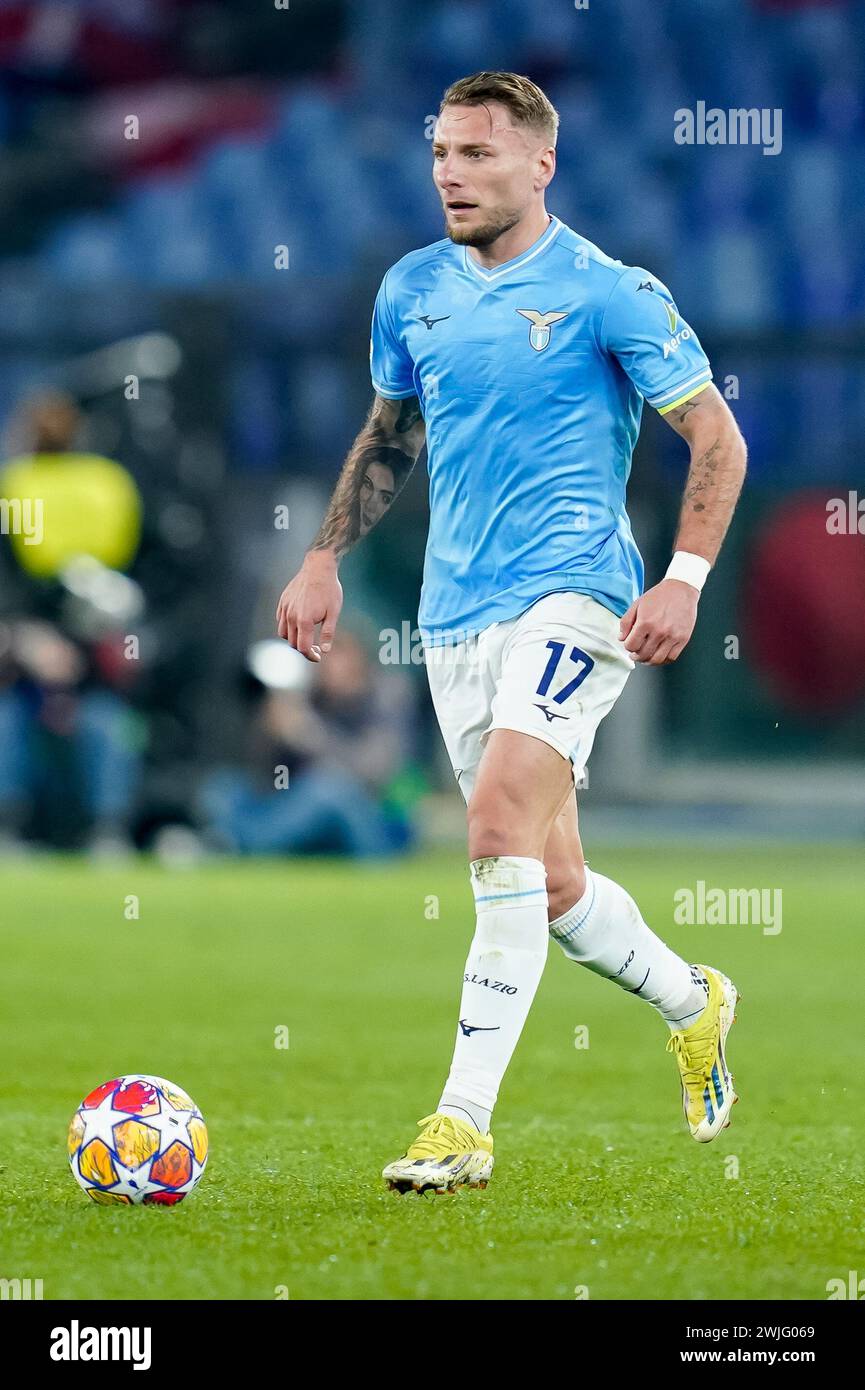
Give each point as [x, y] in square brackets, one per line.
[197, 203]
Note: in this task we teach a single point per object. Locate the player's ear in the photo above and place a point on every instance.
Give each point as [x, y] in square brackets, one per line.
[546, 168]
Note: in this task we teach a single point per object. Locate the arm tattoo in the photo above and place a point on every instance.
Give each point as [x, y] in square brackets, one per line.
[683, 411]
[716, 474]
[701, 477]
[714, 483]
[376, 470]
[409, 415]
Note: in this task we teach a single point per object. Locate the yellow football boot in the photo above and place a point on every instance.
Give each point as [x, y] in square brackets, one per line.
[447, 1154]
[707, 1085]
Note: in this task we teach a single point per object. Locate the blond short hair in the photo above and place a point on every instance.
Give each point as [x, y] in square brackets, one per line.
[528, 105]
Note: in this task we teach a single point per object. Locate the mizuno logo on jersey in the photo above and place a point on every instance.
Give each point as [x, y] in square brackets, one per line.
[425, 318]
[539, 333]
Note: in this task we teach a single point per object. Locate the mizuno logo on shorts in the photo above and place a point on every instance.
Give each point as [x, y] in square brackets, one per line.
[550, 713]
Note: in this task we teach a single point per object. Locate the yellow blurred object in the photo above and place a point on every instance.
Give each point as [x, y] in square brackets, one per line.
[70, 504]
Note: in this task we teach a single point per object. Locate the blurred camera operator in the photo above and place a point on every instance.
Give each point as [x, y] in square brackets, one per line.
[324, 760]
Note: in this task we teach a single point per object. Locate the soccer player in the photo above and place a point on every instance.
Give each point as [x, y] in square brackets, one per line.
[521, 355]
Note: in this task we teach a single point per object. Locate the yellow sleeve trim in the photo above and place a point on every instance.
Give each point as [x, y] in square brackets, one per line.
[664, 409]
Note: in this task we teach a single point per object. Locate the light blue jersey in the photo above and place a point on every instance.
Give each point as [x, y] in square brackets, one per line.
[531, 378]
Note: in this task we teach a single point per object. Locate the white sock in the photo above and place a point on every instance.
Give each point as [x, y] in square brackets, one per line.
[465, 1110]
[605, 932]
[502, 973]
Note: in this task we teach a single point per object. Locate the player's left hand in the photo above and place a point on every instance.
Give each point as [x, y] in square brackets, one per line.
[657, 627]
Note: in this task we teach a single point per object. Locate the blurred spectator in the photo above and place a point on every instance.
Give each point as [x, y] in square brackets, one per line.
[325, 762]
[79, 503]
[71, 744]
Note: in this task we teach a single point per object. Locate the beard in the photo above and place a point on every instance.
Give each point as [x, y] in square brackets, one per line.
[486, 233]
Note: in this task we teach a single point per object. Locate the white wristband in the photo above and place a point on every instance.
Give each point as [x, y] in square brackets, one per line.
[690, 569]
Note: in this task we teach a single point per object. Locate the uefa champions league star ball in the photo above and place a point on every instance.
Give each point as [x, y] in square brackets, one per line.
[137, 1139]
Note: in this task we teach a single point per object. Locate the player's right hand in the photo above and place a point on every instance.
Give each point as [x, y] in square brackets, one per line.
[313, 597]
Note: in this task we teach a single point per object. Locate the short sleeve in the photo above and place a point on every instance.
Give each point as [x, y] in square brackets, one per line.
[660, 352]
[390, 366]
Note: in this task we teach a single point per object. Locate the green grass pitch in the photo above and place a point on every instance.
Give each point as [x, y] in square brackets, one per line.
[597, 1187]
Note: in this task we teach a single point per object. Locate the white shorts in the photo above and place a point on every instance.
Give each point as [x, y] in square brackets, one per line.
[553, 673]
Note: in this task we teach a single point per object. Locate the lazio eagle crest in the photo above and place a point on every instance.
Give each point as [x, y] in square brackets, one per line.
[539, 333]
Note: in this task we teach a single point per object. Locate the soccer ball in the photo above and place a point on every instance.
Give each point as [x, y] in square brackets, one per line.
[137, 1139]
